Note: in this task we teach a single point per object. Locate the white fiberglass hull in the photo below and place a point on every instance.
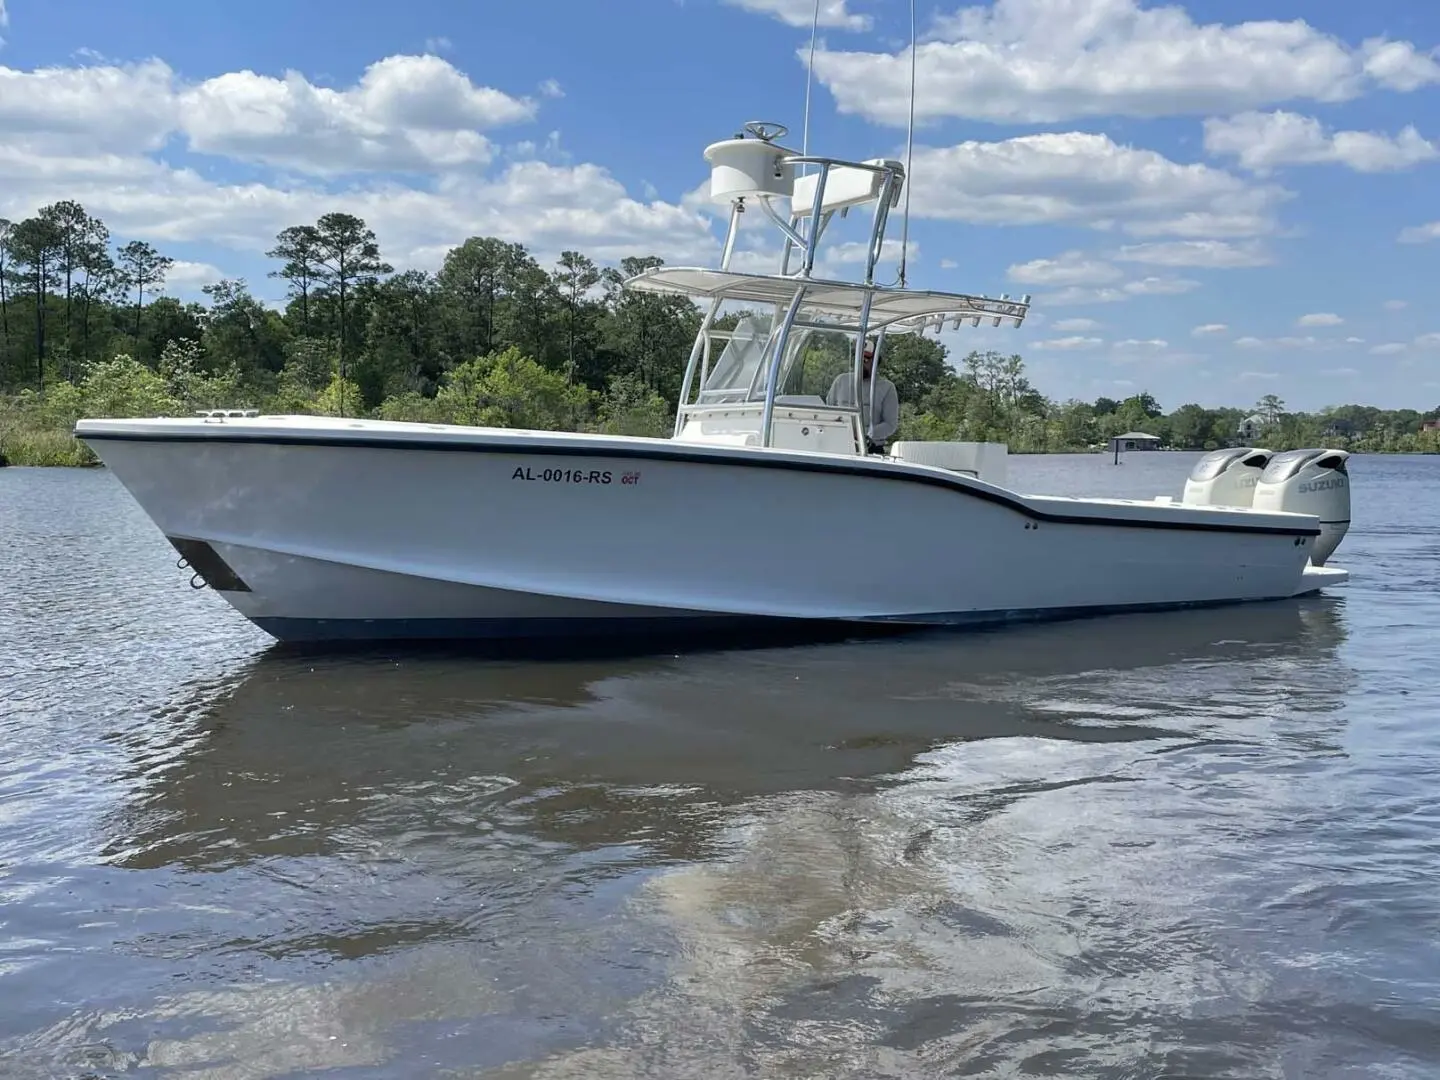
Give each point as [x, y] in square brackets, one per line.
[321, 530]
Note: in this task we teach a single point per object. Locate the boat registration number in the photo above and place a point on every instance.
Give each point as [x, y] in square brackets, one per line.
[551, 475]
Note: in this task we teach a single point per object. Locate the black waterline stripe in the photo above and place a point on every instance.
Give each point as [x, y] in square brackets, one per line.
[879, 470]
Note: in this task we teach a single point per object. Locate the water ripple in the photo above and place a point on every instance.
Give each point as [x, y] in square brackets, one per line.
[1190, 845]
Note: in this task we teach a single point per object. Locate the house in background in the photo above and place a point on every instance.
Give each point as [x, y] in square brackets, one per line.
[1339, 429]
[1134, 440]
[1250, 428]
[1430, 425]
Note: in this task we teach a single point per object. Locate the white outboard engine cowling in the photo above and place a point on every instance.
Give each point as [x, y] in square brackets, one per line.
[1310, 482]
[1226, 477]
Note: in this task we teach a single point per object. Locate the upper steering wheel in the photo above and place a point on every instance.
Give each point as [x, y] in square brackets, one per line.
[766, 130]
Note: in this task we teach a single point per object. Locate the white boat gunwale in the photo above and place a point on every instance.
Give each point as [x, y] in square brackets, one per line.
[515, 441]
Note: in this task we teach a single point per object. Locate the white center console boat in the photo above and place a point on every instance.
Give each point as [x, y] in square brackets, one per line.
[766, 504]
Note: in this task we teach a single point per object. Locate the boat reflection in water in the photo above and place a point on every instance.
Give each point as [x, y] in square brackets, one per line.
[308, 735]
[890, 855]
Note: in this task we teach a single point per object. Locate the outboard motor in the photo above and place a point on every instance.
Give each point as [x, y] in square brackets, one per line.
[1226, 477]
[1310, 482]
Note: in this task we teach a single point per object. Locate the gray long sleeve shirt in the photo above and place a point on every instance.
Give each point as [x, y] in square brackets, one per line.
[887, 405]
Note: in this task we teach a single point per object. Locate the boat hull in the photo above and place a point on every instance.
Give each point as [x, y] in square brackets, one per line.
[365, 531]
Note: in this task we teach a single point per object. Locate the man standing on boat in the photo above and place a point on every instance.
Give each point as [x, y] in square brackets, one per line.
[887, 402]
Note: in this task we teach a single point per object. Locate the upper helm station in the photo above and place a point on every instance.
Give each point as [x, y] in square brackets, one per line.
[756, 392]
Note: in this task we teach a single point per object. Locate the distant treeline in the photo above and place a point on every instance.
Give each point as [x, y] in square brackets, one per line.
[492, 338]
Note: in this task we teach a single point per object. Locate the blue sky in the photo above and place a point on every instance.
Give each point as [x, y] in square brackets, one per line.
[1212, 201]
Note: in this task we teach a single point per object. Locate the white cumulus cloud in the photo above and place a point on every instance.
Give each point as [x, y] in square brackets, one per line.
[1068, 344]
[190, 276]
[1200, 254]
[1304, 342]
[1420, 234]
[1160, 286]
[1070, 268]
[1047, 61]
[97, 133]
[833, 13]
[1264, 141]
[1087, 179]
[405, 113]
[1074, 295]
[88, 110]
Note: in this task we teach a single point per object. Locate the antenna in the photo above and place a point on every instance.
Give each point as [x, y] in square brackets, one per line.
[909, 154]
[809, 79]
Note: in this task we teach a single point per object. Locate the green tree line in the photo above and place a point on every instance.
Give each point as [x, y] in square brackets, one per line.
[491, 338]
